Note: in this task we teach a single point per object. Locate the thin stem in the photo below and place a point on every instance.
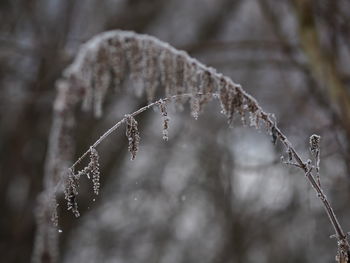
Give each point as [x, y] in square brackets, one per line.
[327, 206]
[135, 113]
[317, 166]
[283, 138]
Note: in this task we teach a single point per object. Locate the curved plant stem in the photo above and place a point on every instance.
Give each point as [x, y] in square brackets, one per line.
[341, 236]
[135, 113]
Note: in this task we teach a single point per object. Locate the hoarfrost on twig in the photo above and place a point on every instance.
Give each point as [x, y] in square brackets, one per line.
[71, 192]
[315, 150]
[71, 185]
[232, 100]
[95, 169]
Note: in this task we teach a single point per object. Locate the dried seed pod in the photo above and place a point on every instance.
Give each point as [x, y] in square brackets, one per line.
[206, 88]
[254, 113]
[135, 60]
[102, 79]
[238, 102]
[195, 108]
[274, 135]
[192, 84]
[290, 154]
[179, 66]
[71, 188]
[343, 252]
[254, 118]
[151, 72]
[227, 97]
[190, 78]
[117, 61]
[133, 136]
[71, 192]
[166, 66]
[179, 73]
[85, 78]
[164, 112]
[54, 215]
[315, 143]
[94, 167]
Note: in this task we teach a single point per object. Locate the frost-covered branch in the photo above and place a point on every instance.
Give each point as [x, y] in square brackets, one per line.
[156, 69]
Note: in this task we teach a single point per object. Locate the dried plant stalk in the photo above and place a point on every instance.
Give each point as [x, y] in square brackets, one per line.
[181, 77]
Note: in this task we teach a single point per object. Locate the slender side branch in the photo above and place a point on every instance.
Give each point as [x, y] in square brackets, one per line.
[277, 132]
[135, 113]
[308, 173]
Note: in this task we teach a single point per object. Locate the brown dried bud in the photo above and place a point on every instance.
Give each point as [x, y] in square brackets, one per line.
[164, 112]
[133, 136]
[315, 143]
[95, 170]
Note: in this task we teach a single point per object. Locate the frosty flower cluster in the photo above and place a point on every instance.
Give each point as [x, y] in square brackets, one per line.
[153, 67]
[132, 133]
[91, 171]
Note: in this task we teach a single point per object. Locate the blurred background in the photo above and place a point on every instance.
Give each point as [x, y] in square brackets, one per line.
[211, 193]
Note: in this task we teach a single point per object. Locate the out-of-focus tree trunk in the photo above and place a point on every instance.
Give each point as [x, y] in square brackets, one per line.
[322, 66]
